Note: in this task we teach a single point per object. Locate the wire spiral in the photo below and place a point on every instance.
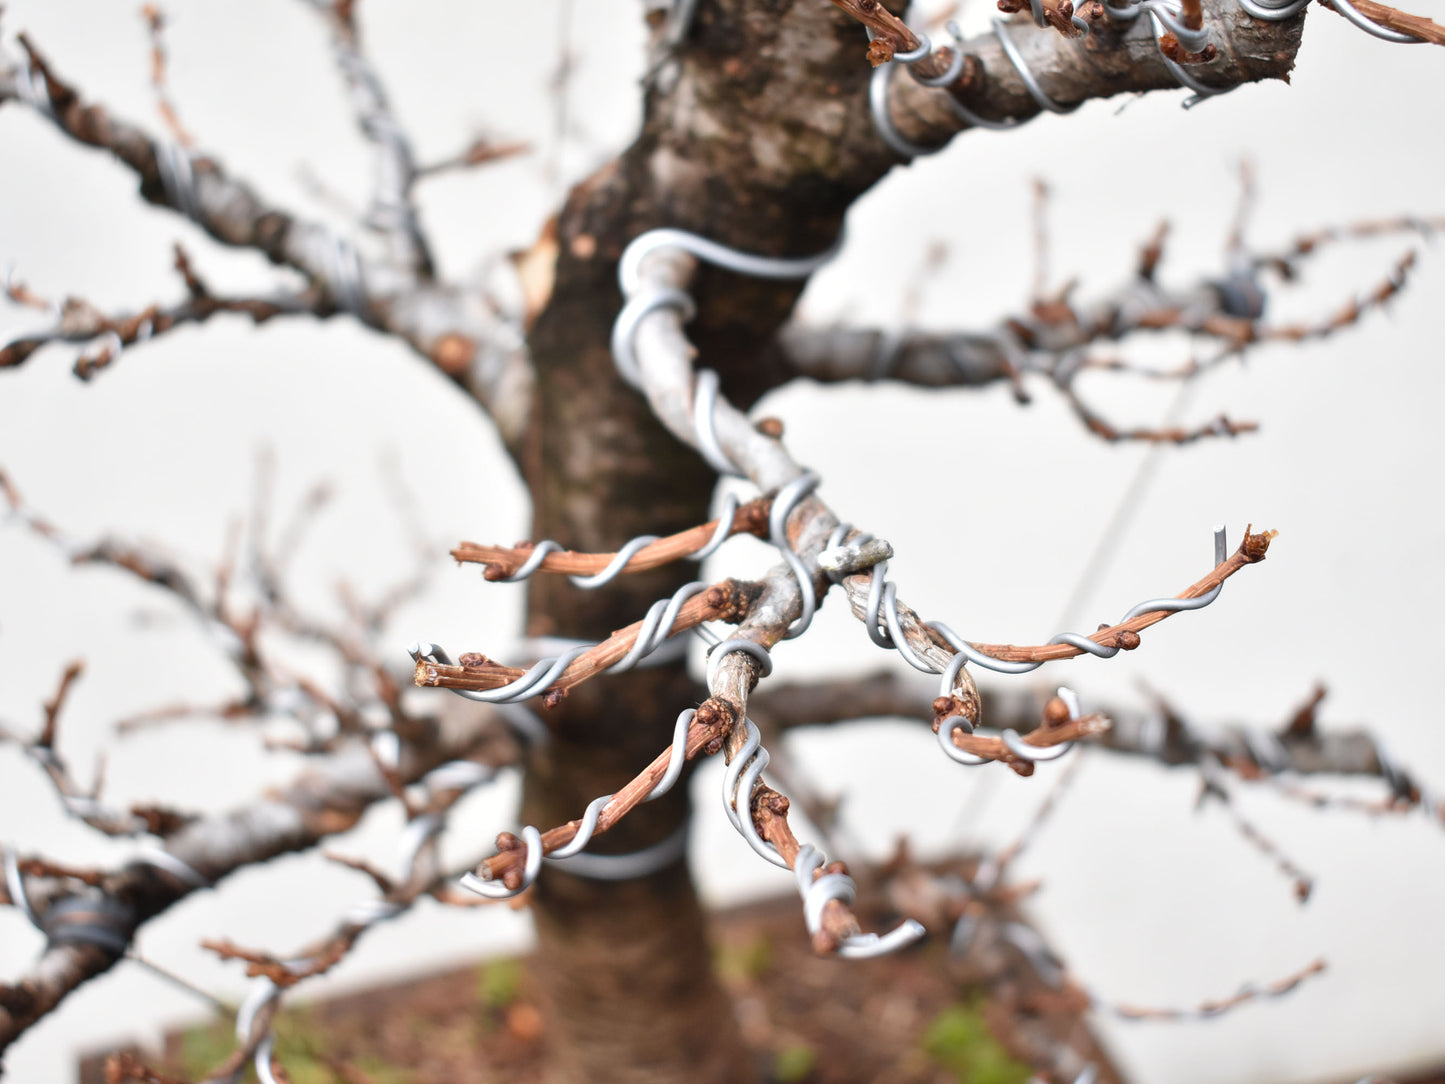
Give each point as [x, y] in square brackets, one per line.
[1010, 737]
[817, 893]
[1164, 15]
[737, 785]
[884, 625]
[1369, 26]
[657, 629]
[599, 866]
[739, 778]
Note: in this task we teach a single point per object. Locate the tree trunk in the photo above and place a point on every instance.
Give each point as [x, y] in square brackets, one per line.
[626, 966]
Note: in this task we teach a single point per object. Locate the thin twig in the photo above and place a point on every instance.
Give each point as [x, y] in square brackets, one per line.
[155, 25]
[1125, 635]
[727, 601]
[503, 561]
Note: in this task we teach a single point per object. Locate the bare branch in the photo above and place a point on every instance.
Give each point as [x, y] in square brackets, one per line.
[1212, 786]
[1394, 19]
[714, 719]
[455, 328]
[393, 213]
[1055, 337]
[504, 561]
[329, 797]
[727, 601]
[1244, 50]
[79, 321]
[155, 24]
[1210, 1009]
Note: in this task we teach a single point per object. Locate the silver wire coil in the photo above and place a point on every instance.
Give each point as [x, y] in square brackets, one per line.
[639, 302]
[1167, 12]
[817, 893]
[596, 866]
[783, 504]
[1010, 737]
[1369, 26]
[178, 178]
[739, 778]
[884, 623]
[657, 628]
[33, 88]
[496, 890]
[1274, 11]
[737, 786]
[629, 549]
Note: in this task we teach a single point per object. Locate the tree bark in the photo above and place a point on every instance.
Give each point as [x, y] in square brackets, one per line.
[626, 966]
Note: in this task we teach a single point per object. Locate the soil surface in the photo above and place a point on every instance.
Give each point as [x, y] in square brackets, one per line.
[896, 1020]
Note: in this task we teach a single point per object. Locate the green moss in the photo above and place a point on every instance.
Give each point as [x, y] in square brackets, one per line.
[498, 983]
[204, 1047]
[793, 1064]
[739, 964]
[959, 1041]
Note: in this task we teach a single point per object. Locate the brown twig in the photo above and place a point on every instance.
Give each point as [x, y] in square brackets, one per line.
[155, 24]
[890, 33]
[21, 294]
[1209, 1009]
[1058, 14]
[480, 152]
[1348, 314]
[82, 322]
[727, 601]
[1125, 635]
[1096, 423]
[56, 702]
[503, 561]
[769, 811]
[1055, 730]
[1212, 786]
[715, 718]
[1395, 19]
[1286, 262]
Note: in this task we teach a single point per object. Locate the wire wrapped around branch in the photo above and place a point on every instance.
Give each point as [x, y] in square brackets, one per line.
[511, 563]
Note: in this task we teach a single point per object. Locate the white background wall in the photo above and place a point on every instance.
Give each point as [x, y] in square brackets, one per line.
[1148, 900]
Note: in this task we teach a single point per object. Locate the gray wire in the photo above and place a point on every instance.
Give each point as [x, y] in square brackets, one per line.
[625, 326]
[178, 178]
[897, 142]
[783, 504]
[1274, 10]
[344, 271]
[817, 893]
[718, 651]
[33, 88]
[704, 406]
[631, 866]
[1031, 84]
[1369, 26]
[630, 549]
[744, 263]
[1074, 639]
[495, 890]
[737, 786]
[604, 867]
[15, 885]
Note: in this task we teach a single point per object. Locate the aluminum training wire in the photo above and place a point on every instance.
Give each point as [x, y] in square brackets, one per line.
[1166, 16]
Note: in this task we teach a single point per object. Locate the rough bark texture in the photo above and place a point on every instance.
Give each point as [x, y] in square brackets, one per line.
[757, 135]
[626, 966]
